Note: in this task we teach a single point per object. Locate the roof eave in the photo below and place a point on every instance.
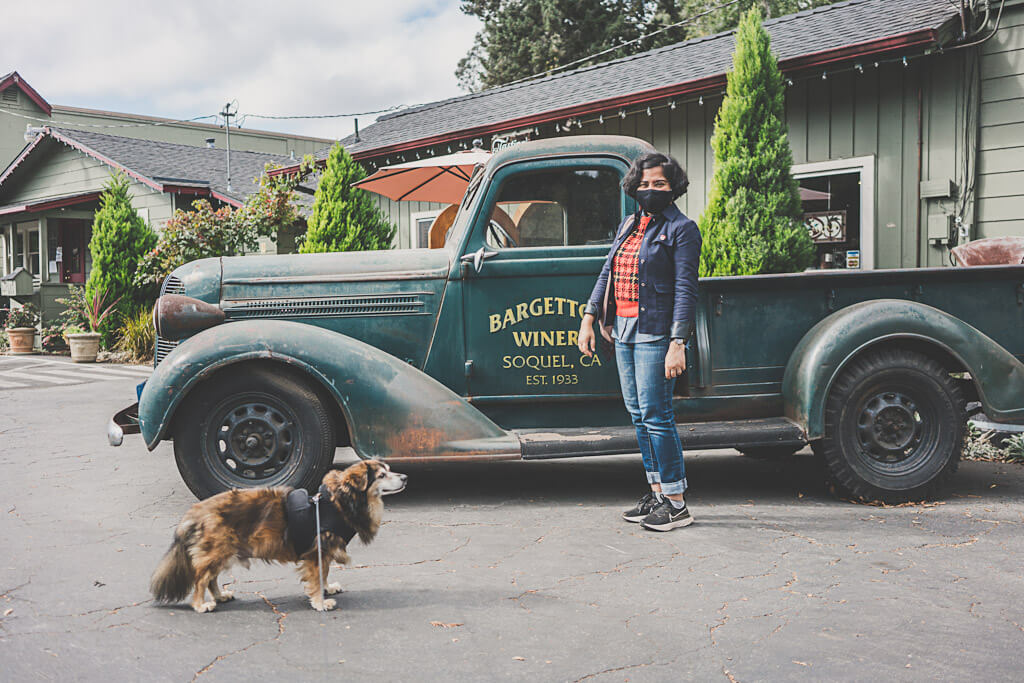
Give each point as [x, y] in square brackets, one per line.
[912, 39]
[46, 204]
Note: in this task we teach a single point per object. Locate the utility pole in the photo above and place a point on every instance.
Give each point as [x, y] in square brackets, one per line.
[227, 114]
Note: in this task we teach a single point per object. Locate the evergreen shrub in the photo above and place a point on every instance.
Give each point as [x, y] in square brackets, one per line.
[119, 239]
[345, 218]
[753, 221]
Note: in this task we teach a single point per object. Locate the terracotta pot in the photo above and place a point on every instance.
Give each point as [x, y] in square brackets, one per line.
[84, 346]
[22, 340]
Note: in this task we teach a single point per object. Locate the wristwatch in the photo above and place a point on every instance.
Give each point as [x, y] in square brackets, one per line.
[681, 342]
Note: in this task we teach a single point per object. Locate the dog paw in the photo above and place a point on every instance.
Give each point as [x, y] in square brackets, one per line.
[225, 596]
[205, 607]
[324, 606]
[332, 588]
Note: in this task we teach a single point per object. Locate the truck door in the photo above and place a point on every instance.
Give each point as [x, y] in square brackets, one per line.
[534, 253]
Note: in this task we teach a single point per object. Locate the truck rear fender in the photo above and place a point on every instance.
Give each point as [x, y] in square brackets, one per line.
[819, 357]
[391, 408]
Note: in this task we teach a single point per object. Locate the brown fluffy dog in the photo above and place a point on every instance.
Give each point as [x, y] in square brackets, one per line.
[244, 524]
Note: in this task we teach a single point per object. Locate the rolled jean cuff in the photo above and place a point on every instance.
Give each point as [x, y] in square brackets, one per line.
[653, 478]
[673, 488]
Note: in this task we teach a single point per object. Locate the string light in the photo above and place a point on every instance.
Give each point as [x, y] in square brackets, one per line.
[648, 111]
[824, 75]
[671, 104]
[700, 100]
[859, 68]
[622, 113]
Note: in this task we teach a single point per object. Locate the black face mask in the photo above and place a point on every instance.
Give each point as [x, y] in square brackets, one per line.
[653, 201]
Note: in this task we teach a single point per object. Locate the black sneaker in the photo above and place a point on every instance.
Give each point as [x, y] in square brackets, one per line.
[641, 509]
[664, 517]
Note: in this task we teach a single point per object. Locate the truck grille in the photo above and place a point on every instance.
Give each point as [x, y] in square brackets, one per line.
[171, 285]
[340, 306]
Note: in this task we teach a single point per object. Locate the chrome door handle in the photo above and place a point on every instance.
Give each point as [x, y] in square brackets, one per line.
[478, 257]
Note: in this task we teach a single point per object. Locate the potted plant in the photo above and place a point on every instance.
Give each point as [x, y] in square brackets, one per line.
[21, 328]
[85, 344]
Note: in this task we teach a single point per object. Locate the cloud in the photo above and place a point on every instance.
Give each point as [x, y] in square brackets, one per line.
[188, 58]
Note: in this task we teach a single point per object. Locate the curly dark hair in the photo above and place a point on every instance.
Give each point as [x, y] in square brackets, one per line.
[674, 173]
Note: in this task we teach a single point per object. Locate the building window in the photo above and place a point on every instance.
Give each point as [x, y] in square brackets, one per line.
[26, 247]
[419, 237]
[838, 201]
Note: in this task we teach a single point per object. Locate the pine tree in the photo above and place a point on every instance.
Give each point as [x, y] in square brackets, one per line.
[344, 218]
[752, 221]
[522, 38]
[119, 239]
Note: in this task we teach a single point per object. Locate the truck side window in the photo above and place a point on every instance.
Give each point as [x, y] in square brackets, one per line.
[556, 208]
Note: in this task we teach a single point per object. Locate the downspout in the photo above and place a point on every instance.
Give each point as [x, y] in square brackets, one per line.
[920, 145]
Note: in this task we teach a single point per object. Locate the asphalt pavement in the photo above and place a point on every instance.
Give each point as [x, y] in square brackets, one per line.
[508, 571]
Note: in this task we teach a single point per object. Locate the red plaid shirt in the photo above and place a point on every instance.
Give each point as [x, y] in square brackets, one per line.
[625, 268]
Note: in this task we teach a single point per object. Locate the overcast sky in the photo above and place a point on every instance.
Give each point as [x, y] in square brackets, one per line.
[189, 57]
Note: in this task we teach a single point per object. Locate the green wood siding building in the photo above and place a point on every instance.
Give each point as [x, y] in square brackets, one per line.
[892, 112]
[49, 193]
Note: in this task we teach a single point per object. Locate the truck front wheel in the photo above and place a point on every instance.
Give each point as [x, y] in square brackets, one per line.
[251, 427]
[894, 422]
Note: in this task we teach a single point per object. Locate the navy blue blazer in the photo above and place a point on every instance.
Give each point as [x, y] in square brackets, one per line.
[669, 258]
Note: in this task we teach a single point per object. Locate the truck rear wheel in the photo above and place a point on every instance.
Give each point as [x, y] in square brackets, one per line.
[894, 422]
[253, 427]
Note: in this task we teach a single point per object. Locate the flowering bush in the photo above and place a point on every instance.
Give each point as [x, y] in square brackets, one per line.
[26, 316]
[206, 232]
[191, 235]
[53, 340]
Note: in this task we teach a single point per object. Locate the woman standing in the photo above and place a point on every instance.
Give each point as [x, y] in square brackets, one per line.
[645, 300]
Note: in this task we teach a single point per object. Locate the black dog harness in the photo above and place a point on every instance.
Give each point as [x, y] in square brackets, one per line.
[300, 512]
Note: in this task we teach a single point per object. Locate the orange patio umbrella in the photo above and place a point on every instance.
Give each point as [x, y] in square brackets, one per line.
[437, 179]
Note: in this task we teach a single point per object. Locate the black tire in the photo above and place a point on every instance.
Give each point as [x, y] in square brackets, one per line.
[894, 425]
[251, 427]
[769, 452]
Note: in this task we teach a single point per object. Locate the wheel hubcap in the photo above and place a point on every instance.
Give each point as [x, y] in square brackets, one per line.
[254, 439]
[890, 427]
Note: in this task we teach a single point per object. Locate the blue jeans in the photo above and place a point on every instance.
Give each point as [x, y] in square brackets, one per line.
[648, 397]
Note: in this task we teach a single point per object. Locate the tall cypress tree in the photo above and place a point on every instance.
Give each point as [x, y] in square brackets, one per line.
[344, 218]
[119, 239]
[752, 223]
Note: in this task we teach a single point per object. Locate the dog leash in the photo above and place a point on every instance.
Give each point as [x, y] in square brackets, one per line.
[319, 552]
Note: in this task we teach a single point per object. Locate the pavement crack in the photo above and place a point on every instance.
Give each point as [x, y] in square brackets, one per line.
[279, 616]
[411, 564]
[613, 670]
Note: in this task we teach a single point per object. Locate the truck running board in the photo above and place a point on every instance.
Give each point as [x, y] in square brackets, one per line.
[567, 443]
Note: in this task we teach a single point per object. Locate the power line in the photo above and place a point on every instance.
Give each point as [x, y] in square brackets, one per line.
[688, 20]
[324, 116]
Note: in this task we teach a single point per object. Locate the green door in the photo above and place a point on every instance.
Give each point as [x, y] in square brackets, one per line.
[545, 230]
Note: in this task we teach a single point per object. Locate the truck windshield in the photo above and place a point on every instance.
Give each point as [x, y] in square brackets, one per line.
[458, 225]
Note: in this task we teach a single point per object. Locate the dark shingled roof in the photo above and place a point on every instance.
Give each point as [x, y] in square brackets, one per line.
[167, 163]
[793, 36]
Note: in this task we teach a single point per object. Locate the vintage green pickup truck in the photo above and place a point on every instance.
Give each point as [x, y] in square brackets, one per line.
[265, 364]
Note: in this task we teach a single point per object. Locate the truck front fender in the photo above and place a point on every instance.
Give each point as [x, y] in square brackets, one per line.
[392, 409]
[828, 346]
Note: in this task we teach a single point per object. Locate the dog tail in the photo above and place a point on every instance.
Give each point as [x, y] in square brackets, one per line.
[174, 576]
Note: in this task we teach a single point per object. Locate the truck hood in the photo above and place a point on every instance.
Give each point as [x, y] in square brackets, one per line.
[247, 276]
[346, 265]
